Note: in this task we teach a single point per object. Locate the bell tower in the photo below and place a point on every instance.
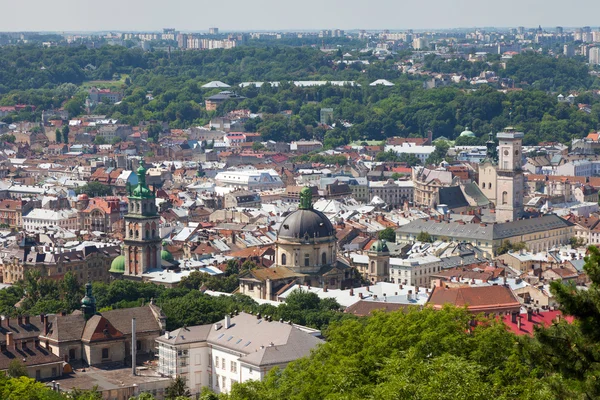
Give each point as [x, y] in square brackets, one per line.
[142, 244]
[510, 183]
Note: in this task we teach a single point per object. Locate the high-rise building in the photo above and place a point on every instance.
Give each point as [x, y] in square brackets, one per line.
[213, 31]
[569, 50]
[594, 55]
[559, 30]
[142, 245]
[510, 184]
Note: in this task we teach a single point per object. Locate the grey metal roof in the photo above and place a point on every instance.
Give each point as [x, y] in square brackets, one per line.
[306, 223]
[485, 232]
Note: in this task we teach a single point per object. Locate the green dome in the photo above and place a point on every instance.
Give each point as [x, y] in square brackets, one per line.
[467, 133]
[165, 255]
[380, 246]
[118, 265]
[142, 191]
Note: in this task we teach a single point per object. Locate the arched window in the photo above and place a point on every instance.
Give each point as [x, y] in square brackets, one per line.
[306, 260]
[483, 185]
[324, 258]
[136, 233]
[143, 207]
[153, 233]
[130, 233]
[283, 259]
[504, 197]
[147, 234]
[490, 185]
[372, 267]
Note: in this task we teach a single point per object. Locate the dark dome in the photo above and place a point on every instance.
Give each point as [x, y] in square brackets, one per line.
[302, 223]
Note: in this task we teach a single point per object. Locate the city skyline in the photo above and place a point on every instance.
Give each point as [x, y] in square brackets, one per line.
[264, 15]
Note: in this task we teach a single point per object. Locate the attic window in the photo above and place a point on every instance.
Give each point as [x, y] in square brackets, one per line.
[247, 344]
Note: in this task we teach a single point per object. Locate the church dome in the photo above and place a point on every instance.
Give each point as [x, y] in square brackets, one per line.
[118, 265]
[142, 192]
[467, 133]
[379, 246]
[306, 223]
[165, 255]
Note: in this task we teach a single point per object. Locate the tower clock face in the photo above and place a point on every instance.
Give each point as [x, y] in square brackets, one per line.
[505, 152]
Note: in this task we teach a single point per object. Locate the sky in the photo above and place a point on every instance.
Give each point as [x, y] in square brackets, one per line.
[266, 15]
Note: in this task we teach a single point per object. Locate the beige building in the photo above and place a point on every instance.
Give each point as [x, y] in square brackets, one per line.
[394, 193]
[427, 185]
[539, 234]
[89, 338]
[305, 252]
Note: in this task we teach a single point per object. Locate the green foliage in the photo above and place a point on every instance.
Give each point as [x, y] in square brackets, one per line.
[439, 154]
[508, 246]
[177, 388]
[388, 234]
[16, 369]
[576, 242]
[65, 134]
[94, 189]
[424, 237]
[58, 136]
[10, 138]
[258, 146]
[424, 354]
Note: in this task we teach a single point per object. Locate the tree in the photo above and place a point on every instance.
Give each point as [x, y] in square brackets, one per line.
[177, 388]
[58, 135]
[99, 140]
[576, 242]
[65, 134]
[507, 246]
[17, 369]
[424, 237]
[154, 132]
[388, 234]
[258, 146]
[95, 189]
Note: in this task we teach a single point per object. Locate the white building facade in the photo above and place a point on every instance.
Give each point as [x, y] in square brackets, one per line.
[237, 349]
[40, 218]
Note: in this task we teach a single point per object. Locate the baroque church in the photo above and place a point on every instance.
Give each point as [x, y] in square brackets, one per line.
[305, 253]
[501, 177]
[142, 246]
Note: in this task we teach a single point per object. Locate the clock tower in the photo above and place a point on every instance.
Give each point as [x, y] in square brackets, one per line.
[510, 182]
[142, 244]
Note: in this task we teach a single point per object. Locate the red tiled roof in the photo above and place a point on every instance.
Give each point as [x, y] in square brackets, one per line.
[543, 319]
[476, 298]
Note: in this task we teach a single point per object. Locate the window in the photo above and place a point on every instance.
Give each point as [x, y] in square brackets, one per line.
[216, 362]
[324, 258]
[233, 366]
[283, 259]
[224, 381]
[105, 353]
[504, 197]
[38, 374]
[306, 260]
[53, 372]
[372, 267]
[71, 354]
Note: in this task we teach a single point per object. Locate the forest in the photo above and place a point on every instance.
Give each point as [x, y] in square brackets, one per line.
[54, 77]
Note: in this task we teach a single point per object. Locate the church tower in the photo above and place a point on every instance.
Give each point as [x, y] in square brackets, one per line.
[510, 183]
[142, 244]
[379, 259]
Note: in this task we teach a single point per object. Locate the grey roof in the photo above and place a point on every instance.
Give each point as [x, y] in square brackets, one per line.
[472, 190]
[485, 231]
[259, 341]
[453, 197]
[192, 334]
[302, 223]
[144, 319]
[527, 226]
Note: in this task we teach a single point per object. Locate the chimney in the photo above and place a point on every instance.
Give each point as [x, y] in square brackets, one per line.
[9, 339]
[27, 320]
[46, 327]
[325, 288]
[351, 291]
[42, 318]
[529, 314]
[227, 321]
[19, 320]
[133, 346]
[519, 323]
[360, 295]
[7, 318]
